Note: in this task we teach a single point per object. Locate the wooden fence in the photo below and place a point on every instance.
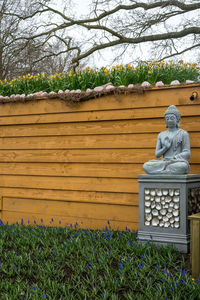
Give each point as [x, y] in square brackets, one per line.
[80, 164]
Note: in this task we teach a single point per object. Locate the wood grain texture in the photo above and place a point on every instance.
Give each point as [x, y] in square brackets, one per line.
[92, 128]
[96, 115]
[79, 155]
[104, 141]
[81, 163]
[117, 141]
[114, 185]
[72, 209]
[115, 170]
[195, 245]
[41, 219]
[74, 196]
[85, 156]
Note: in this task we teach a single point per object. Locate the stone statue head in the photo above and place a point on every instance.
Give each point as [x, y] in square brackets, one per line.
[172, 110]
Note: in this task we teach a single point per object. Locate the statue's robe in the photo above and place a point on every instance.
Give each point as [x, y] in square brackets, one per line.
[175, 159]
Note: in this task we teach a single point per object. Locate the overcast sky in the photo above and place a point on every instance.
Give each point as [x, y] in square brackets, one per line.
[104, 59]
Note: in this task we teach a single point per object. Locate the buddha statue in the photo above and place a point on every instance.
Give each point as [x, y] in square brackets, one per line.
[173, 144]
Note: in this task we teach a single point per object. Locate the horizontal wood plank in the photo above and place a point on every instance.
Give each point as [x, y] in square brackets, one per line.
[71, 183]
[101, 115]
[78, 169]
[81, 141]
[46, 220]
[75, 196]
[71, 209]
[137, 140]
[85, 155]
[82, 156]
[72, 169]
[151, 98]
[194, 169]
[87, 128]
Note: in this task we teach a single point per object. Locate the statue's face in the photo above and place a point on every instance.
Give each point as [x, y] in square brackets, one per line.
[171, 121]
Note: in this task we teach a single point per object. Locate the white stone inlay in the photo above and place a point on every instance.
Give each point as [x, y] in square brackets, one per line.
[162, 207]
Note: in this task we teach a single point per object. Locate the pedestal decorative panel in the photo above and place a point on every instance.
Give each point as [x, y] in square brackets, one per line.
[162, 207]
[165, 201]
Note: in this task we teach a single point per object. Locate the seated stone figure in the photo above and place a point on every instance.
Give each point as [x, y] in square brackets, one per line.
[174, 145]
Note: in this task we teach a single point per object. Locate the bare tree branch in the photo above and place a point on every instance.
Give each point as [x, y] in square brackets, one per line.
[113, 23]
[138, 40]
[179, 52]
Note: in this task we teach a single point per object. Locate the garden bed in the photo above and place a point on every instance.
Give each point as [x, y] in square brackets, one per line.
[72, 263]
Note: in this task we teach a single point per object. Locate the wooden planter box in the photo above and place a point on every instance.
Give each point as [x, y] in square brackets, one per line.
[195, 244]
[80, 164]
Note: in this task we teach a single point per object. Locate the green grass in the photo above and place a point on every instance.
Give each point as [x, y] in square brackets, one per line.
[38, 262]
[91, 78]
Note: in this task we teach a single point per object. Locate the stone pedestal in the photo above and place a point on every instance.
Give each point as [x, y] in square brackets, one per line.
[165, 202]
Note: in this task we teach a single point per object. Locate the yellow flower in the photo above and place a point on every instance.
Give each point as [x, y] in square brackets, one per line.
[128, 66]
[149, 72]
[43, 75]
[105, 70]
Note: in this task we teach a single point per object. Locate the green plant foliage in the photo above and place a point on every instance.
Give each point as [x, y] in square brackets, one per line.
[72, 263]
[90, 78]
